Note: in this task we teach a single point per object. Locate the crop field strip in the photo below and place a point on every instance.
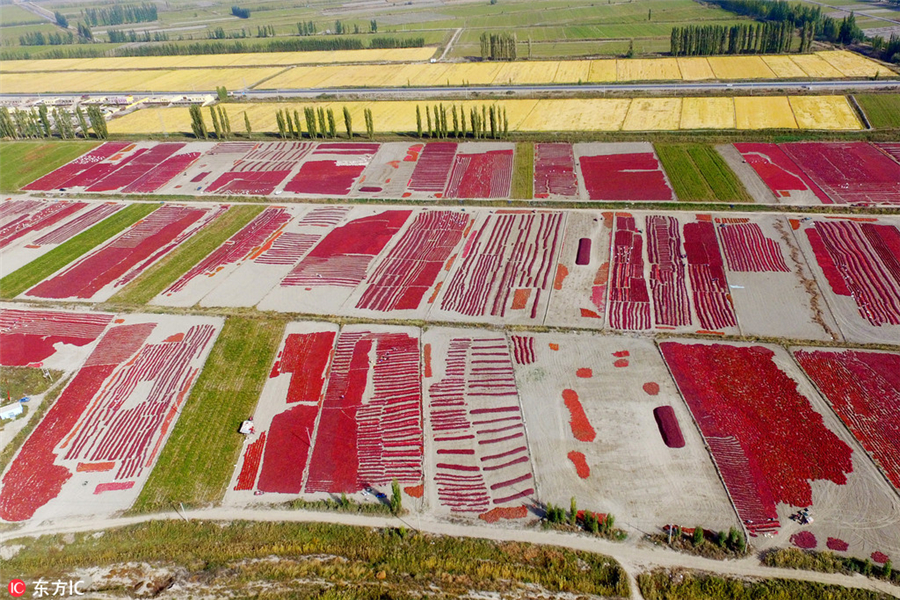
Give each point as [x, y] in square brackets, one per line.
[830, 113]
[698, 174]
[828, 64]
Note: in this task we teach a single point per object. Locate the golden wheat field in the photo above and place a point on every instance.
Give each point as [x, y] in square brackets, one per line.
[205, 73]
[549, 115]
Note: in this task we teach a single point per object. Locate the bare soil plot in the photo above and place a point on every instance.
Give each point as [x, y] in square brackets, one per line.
[260, 271]
[856, 261]
[779, 448]
[773, 292]
[582, 271]
[389, 171]
[97, 276]
[753, 183]
[506, 269]
[340, 413]
[326, 276]
[477, 458]
[95, 447]
[31, 228]
[605, 424]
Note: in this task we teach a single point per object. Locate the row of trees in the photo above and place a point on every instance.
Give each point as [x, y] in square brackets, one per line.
[36, 123]
[590, 521]
[887, 50]
[120, 14]
[750, 38]
[498, 46]
[38, 38]
[122, 37]
[490, 121]
[320, 122]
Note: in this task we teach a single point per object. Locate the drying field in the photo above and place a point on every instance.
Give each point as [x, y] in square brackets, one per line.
[96, 276]
[857, 173]
[629, 170]
[778, 447]
[95, 447]
[831, 113]
[856, 261]
[803, 277]
[31, 228]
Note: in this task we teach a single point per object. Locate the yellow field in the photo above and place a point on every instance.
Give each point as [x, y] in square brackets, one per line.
[784, 67]
[740, 67]
[816, 67]
[707, 113]
[653, 114]
[694, 69]
[764, 112]
[251, 59]
[824, 112]
[596, 114]
[647, 69]
[234, 71]
[854, 65]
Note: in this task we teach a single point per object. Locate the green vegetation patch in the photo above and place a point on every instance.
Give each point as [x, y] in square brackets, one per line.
[16, 382]
[689, 585]
[161, 275]
[36, 271]
[344, 561]
[49, 398]
[699, 174]
[882, 110]
[23, 162]
[196, 464]
[829, 562]
[523, 172]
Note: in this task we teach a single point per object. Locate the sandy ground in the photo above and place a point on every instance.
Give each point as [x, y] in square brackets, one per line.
[579, 292]
[80, 495]
[753, 183]
[853, 327]
[389, 170]
[632, 473]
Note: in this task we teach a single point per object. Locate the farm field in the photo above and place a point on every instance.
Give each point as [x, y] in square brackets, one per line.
[31, 228]
[23, 162]
[96, 276]
[204, 73]
[699, 174]
[341, 412]
[605, 424]
[855, 262]
[94, 448]
[882, 110]
[778, 447]
[620, 171]
[593, 114]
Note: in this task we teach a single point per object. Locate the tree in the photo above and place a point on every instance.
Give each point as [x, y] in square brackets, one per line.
[222, 93]
[61, 20]
[290, 124]
[215, 120]
[608, 524]
[297, 129]
[396, 498]
[348, 123]
[321, 114]
[7, 127]
[198, 127]
[98, 122]
[573, 512]
[45, 119]
[370, 123]
[505, 123]
[224, 122]
[373, 26]
[282, 126]
[887, 569]
[332, 125]
[418, 121]
[428, 121]
[462, 116]
[698, 536]
[247, 125]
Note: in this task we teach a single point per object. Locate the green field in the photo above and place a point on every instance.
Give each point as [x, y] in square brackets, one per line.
[326, 561]
[196, 463]
[167, 271]
[36, 271]
[523, 172]
[23, 162]
[699, 174]
[11, 15]
[686, 585]
[882, 110]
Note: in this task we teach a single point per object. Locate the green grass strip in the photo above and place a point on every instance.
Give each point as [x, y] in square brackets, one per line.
[36, 271]
[196, 464]
[23, 162]
[725, 185]
[323, 560]
[523, 172]
[882, 110]
[686, 179]
[167, 271]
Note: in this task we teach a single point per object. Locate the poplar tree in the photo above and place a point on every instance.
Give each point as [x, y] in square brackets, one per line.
[348, 123]
[247, 125]
[419, 121]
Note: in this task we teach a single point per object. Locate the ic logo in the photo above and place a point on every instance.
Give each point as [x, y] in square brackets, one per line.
[16, 587]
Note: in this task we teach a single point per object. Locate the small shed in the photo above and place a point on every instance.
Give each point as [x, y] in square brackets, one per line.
[11, 411]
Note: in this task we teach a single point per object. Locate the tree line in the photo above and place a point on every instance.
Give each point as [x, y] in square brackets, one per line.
[122, 37]
[750, 38]
[442, 123]
[498, 46]
[887, 50]
[319, 122]
[120, 14]
[37, 123]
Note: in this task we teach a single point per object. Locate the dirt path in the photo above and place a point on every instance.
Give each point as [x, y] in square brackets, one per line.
[450, 44]
[635, 557]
